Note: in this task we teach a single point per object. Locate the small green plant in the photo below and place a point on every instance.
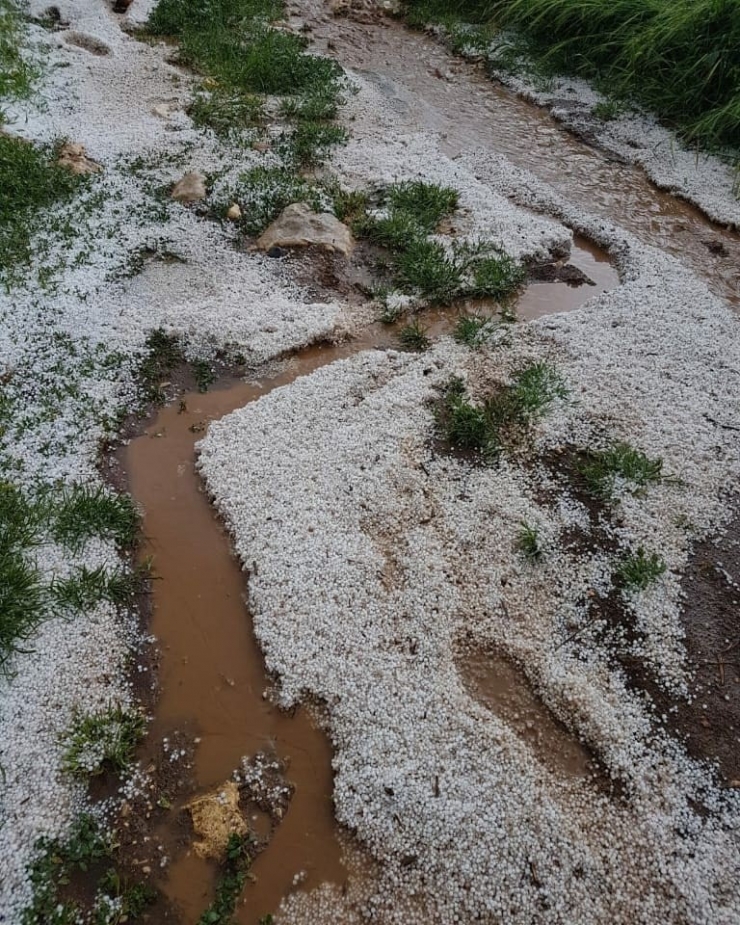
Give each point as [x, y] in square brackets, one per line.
[121, 901]
[528, 542]
[426, 203]
[600, 470]
[637, 570]
[101, 741]
[84, 512]
[309, 143]
[85, 588]
[473, 330]
[513, 408]
[349, 205]
[56, 860]
[23, 595]
[226, 112]
[413, 336]
[397, 231]
[230, 883]
[263, 193]
[320, 104]
[204, 373]
[427, 269]
[495, 277]
[162, 354]
[31, 182]
[608, 110]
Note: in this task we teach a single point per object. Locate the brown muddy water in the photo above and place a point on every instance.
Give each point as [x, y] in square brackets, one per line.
[437, 91]
[212, 680]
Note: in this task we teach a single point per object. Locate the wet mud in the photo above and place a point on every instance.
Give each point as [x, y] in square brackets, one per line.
[453, 98]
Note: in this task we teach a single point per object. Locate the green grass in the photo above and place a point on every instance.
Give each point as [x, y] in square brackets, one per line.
[56, 861]
[495, 277]
[31, 182]
[84, 512]
[679, 58]
[601, 470]
[16, 74]
[309, 143]
[103, 741]
[490, 426]
[23, 595]
[121, 900]
[427, 269]
[86, 587]
[636, 571]
[227, 112]
[162, 354]
[414, 337]
[231, 882]
[528, 542]
[263, 193]
[427, 203]
[474, 330]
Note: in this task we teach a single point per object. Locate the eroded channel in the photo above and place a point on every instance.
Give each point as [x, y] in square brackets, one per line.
[213, 686]
[435, 91]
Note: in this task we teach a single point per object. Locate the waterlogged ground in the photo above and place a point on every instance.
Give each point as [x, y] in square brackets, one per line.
[431, 614]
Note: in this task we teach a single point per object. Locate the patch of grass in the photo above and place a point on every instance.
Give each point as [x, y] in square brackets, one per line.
[87, 587]
[103, 741]
[349, 205]
[227, 112]
[413, 336]
[163, 353]
[319, 104]
[473, 330]
[263, 193]
[637, 570]
[608, 110]
[487, 427]
[232, 41]
[23, 596]
[309, 143]
[426, 203]
[56, 860]
[528, 542]
[16, 74]
[31, 182]
[426, 268]
[205, 374]
[120, 900]
[397, 231]
[677, 57]
[601, 470]
[495, 277]
[231, 882]
[84, 512]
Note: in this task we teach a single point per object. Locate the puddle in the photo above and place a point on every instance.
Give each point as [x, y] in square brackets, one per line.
[211, 673]
[471, 112]
[501, 687]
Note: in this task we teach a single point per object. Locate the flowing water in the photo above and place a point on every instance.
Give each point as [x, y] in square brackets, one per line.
[212, 676]
[439, 93]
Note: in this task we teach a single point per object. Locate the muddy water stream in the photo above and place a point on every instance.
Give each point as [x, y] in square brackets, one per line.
[433, 90]
[211, 674]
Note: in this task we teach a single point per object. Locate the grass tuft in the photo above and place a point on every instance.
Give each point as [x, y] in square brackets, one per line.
[87, 587]
[637, 570]
[103, 741]
[85, 512]
[601, 470]
[426, 203]
[231, 882]
[263, 193]
[473, 330]
[31, 182]
[413, 337]
[488, 427]
[227, 112]
[528, 542]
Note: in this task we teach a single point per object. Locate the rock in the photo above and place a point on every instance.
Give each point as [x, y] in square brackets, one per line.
[73, 157]
[215, 817]
[261, 146]
[120, 6]
[276, 252]
[299, 226]
[234, 213]
[190, 188]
